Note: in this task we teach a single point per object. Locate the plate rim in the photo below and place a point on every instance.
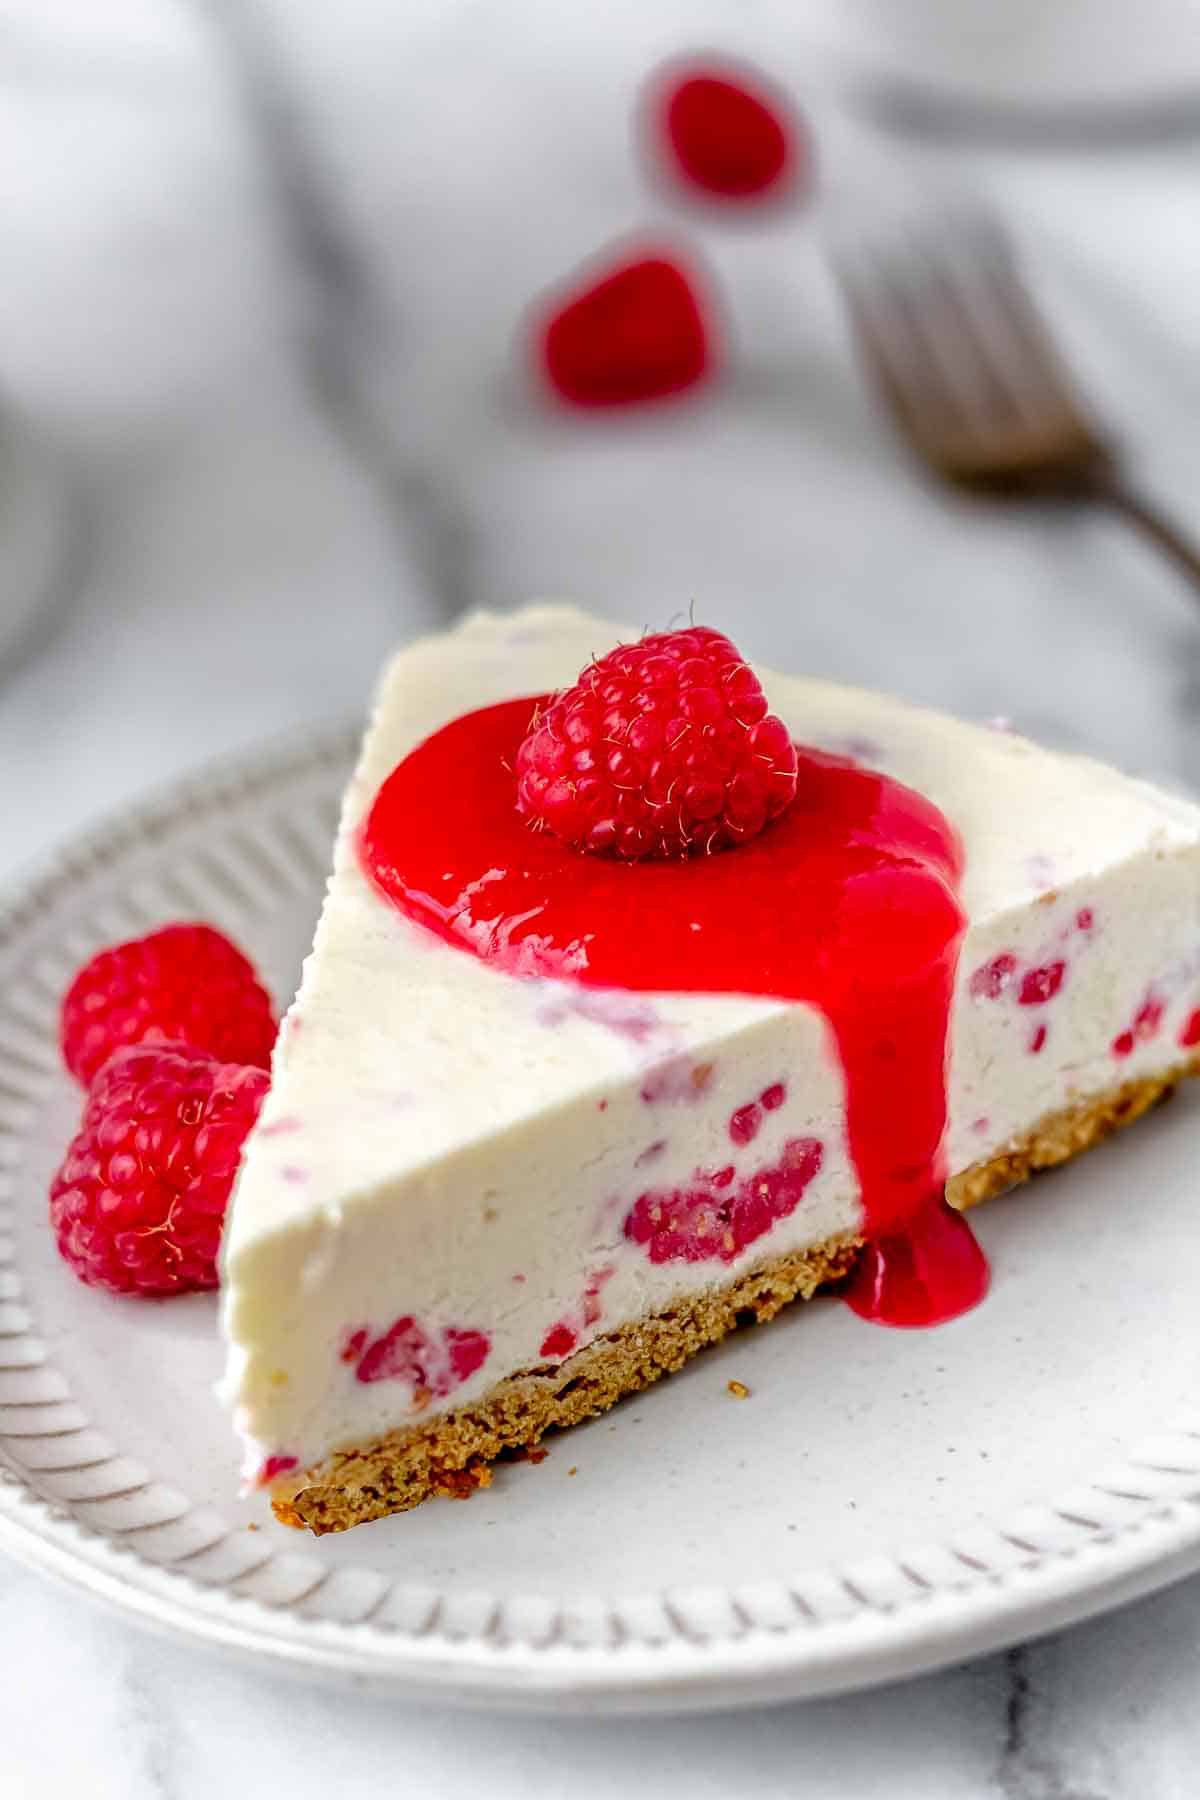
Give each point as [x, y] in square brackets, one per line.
[800, 1635]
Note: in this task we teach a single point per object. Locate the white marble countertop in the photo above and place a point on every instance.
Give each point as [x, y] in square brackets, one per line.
[258, 283]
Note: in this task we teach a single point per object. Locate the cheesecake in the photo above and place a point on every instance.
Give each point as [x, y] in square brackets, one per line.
[544, 1124]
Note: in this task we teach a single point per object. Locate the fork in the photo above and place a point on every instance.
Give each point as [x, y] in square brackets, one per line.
[972, 378]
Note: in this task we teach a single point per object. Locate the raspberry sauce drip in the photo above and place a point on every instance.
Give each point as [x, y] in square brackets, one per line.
[929, 1271]
[847, 901]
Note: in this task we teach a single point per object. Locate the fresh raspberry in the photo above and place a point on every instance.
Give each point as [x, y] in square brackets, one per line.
[139, 1200]
[726, 132]
[661, 748]
[186, 984]
[640, 332]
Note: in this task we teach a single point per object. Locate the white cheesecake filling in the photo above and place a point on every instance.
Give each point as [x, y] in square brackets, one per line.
[457, 1172]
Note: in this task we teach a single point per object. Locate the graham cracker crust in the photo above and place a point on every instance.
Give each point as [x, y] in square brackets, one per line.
[452, 1454]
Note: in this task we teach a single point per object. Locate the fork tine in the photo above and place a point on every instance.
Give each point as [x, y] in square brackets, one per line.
[954, 396]
[1020, 344]
[963, 359]
[955, 338]
[953, 324]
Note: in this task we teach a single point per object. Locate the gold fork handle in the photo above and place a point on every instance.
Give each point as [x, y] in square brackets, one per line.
[1106, 487]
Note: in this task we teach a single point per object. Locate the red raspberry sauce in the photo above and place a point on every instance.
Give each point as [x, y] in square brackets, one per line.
[847, 901]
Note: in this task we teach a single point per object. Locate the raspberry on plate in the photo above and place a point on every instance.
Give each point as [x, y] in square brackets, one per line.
[661, 749]
[184, 984]
[138, 1203]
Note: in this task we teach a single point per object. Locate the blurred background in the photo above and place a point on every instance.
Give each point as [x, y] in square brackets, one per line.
[273, 277]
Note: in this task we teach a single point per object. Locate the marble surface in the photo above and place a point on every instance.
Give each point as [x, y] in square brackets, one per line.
[261, 275]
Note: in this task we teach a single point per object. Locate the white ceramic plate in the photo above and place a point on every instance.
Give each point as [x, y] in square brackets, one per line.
[882, 1503]
[1070, 60]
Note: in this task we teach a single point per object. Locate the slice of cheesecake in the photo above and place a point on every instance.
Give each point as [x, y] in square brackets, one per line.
[503, 1178]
